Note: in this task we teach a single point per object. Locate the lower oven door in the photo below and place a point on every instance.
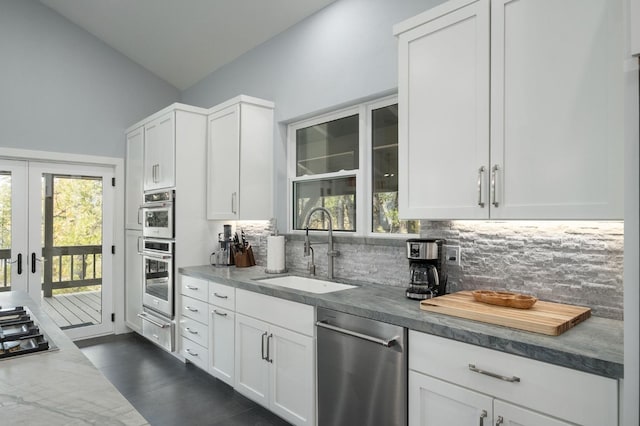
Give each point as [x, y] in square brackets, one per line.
[158, 283]
[158, 329]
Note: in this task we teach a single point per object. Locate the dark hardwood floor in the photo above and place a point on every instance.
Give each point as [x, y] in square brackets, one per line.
[168, 392]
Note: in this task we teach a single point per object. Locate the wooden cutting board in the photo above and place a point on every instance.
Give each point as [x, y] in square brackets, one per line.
[543, 317]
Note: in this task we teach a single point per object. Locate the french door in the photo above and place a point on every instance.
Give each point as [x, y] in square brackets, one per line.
[56, 233]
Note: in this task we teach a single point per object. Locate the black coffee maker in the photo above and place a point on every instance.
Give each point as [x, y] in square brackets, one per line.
[428, 268]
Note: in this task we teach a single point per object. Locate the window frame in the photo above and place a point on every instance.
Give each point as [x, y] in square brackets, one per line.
[363, 174]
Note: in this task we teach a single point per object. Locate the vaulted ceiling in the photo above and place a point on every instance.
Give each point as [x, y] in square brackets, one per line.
[182, 41]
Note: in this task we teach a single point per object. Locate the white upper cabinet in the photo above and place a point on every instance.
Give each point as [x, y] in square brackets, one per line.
[135, 149]
[556, 109]
[512, 110]
[240, 160]
[443, 103]
[159, 153]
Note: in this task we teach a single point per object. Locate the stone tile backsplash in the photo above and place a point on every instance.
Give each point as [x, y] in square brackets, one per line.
[578, 263]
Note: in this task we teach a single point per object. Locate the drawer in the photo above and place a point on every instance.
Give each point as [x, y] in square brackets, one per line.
[569, 394]
[194, 287]
[294, 316]
[222, 295]
[158, 330]
[195, 309]
[194, 353]
[194, 331]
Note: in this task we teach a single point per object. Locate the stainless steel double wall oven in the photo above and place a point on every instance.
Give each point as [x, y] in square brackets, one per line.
[157, 252]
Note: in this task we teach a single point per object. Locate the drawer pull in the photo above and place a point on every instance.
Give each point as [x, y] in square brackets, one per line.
[221, 296]
[222, 314]
[189, 308]
[511, 379]
[191, 353]
[483, 416]
[499, 421]
[191, 331]
[190, 287]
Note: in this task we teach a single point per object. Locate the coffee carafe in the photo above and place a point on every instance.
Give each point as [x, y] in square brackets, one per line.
[427, 268]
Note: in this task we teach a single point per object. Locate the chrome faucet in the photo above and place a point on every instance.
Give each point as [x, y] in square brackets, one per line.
[308, 250]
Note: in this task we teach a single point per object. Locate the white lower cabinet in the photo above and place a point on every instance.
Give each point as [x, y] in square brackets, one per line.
[274, 365]
[457, 383]
[222, 337]
[435, 402]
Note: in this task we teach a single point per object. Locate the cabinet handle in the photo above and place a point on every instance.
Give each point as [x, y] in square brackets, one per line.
[480, 198]
[499, 421]
[158, 172]
[190, 287]
[483, 415]
[511, 379]
[262, 349]
[191, 353]
[220, 296]
[139, 219]
[494, 200]
[189, 308]
[233, 203]
[191, 331]
[217, 312]
[268, 348]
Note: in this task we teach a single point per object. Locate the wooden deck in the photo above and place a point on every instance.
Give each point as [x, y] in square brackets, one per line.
[74, 309]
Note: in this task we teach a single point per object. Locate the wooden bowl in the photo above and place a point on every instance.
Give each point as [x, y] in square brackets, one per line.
[504, 298]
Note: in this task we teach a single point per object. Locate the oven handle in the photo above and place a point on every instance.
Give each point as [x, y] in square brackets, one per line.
[156, 256]
[156, 205]
[156, 323]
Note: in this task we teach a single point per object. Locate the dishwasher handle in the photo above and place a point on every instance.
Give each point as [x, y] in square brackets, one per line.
[384, 342]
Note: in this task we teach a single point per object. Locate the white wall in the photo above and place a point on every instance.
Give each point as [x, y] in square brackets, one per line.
[61, 89]
[342, 53]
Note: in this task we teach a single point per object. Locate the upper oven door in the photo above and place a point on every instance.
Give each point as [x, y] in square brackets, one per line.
[158, 282]
[158, 220]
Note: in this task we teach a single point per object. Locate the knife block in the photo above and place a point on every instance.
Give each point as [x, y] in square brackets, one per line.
[245, 258]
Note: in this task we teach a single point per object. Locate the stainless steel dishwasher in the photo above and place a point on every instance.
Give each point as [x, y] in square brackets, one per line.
[362, 371]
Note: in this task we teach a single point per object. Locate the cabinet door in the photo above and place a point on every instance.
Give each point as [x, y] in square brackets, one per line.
[443, 97]
[133, 280]
[556, 109]
[159, 153]
[133, 187]
[433, 402]
[511, 415]
[222, 337]
[291, 379]
[223, 155]
[251, 370]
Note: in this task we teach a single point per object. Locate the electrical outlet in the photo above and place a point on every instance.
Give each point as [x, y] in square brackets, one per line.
[453, 255]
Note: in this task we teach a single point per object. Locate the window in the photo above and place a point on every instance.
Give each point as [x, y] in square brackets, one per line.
[347, 162]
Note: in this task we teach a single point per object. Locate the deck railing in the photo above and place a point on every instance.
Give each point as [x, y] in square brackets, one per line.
[63, 267]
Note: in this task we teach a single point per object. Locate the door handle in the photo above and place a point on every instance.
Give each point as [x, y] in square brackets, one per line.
[35, 259]
[19, 262]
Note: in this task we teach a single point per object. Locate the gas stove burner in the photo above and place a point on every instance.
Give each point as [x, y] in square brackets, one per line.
[19, 333]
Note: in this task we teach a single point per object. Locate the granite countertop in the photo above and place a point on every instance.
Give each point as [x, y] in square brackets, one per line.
[594, 346]
[59, 387]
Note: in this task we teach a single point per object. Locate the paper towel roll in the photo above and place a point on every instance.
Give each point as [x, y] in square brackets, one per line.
[275, 254]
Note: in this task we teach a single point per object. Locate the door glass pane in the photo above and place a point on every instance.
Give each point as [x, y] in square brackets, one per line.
[5, 231]
[384, 133]
[72, 250]
[328, 147]
[337, 195]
